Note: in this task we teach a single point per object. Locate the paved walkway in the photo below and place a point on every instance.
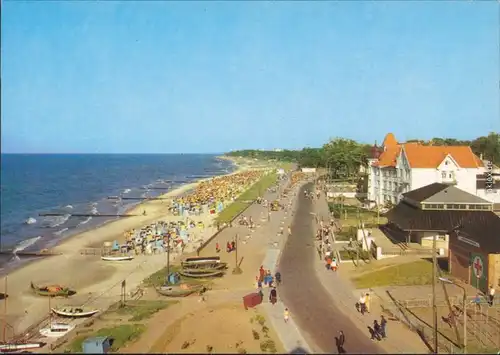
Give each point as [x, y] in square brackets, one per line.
[309, 302]
[345, 295]
[289, 333]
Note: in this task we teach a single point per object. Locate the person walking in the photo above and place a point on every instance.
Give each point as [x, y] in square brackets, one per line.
[217, 247]
[491, 295]
[383, 327]
[277, 276]
[341, 342]
[477, 302]
[273, 296]
[367, 303]
[286, 315]
[362, 304]
[376, 330]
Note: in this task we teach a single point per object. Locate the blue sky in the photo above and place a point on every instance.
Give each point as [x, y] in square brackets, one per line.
[170, 77]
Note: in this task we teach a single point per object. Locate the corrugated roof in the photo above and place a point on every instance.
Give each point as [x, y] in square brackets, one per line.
[425, 192]
[452, 194]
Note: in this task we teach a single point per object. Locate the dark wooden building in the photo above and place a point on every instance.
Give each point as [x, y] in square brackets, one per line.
[462, 223]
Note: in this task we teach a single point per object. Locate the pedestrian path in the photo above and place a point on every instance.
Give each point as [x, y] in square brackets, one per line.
[288, 332]
[344, 293]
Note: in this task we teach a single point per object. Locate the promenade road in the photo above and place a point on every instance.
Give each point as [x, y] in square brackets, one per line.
[313, 309]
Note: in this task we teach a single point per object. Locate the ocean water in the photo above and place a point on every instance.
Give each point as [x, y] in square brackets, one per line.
[33, 184]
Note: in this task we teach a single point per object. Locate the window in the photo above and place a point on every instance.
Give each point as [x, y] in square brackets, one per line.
[449, 207]
[443, 174]
[446, 162]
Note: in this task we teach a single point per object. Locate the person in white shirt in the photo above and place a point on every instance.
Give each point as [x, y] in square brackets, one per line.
[491, 295]
[362, 304]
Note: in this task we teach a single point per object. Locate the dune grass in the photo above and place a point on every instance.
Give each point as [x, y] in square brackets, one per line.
[141, 309]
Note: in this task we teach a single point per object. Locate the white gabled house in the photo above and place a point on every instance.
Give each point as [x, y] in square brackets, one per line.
[399, 168]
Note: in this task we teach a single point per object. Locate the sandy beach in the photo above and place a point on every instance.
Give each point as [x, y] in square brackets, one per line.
[97, 282]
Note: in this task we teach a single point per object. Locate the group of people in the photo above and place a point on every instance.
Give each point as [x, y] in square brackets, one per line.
[363, 305]
[158, 236]
[379, 329]
[213, 193]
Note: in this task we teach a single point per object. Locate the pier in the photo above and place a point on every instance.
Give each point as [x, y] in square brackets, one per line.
[85, 215]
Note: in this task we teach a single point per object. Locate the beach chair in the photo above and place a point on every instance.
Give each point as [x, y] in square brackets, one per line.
[116, 246]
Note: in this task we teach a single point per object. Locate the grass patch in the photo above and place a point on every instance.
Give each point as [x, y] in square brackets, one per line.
[139, 310]
[349, 215]
[241, 203]
[120, 334]
[351, 255]
[414, 273]
[159, 278]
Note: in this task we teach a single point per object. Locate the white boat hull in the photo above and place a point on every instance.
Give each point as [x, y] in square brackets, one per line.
[56, 331]
[117, 258]
[19, 347]
[84, 314]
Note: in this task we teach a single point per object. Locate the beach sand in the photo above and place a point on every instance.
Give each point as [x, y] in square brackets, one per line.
[221, 322]
[97, 282]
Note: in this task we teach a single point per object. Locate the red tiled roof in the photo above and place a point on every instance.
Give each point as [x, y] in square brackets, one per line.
[389, 140]
[420, 156]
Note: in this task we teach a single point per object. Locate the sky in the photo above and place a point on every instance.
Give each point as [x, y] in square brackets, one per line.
[203, 77]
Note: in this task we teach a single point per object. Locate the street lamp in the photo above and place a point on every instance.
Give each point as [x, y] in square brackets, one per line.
[448, 281]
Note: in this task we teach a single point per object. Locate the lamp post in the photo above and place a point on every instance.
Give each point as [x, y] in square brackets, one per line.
[442, 279]
[237, 270]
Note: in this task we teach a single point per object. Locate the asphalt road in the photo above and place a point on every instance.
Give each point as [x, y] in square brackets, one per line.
[312, 308]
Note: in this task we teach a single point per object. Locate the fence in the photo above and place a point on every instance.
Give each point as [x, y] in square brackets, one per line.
[483, 330]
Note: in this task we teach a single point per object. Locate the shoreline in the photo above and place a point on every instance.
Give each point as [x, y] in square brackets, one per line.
[88, 274]
[11, 265]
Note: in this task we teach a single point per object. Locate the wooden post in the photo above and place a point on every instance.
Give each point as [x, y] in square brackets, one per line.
[5, 312]
[123, 295]
[168, 260]
[434, 305]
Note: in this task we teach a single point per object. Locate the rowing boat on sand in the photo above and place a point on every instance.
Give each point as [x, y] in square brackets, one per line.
[74, 312]
[117, 258]
[201, 273]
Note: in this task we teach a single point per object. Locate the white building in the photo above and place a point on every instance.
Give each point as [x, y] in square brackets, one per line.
[399, 168]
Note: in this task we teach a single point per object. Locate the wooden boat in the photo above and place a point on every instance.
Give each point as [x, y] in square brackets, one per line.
[220, 266]
[202, 259]
[20, 346]
[57, 330]
[74, 312]
[52, 291]
[177, 291]
[203, 273]
[117, 258]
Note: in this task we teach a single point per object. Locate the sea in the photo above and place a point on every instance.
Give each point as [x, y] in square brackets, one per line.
[81, 184]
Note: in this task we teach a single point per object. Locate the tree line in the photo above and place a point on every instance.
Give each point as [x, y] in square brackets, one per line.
[343, 157]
